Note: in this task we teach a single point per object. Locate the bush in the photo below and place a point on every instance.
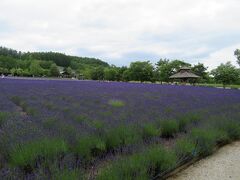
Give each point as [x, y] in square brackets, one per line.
[159, 160]
[184, 148]
[88, 146]
[116, 103]
[221, 136]
[232, 128]
[67, 175]
[187, 119]
[150, 130]
[31, 111]
[169, 128]
[205, 140]
[27, 154]
[3, 118]
[81, 118]
[143, 166]
[132, 167]
[97, 124]
[16, 100]
[49, 123]
[122, 135]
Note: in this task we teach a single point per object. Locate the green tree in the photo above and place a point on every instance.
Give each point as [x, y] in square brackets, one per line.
[237, 54]
[226, 74]
[200, 70]
[166, 68]
[126, 75]
[110, 74]
[97, 73]
[141, 71]
[35, 68]
[54, 71]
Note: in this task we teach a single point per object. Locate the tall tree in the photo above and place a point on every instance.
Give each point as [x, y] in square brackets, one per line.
[141, 71]
[237, 54]
[166, 68]
[200, 70]
[54, 71]
[97, 73]
[226, 74]
[35, 68]
[110, 74]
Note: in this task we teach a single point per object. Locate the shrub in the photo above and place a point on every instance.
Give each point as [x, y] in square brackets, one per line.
[221, 136]
[16, 100]
[67, 175]
[3, 118]
[88, 146]
[169, 128]
[159, 159]
[150, 130]
[27, 154]
[116, 103]
[186, 119]
[122, 135]
[31, 111]
[97, 124]
[132, 167]
[184, 147]
[232, 128]
[183, 122]
[205, 140]
[49, 122]
[143, 166]
[81, 118]
[68, 132]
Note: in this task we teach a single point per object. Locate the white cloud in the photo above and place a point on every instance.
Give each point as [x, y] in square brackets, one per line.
[221, 56]
[112, 29]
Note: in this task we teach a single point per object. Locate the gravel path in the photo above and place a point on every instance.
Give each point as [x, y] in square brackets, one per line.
[223, 165]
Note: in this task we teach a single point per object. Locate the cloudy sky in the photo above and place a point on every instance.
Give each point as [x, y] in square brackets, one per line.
[121, 31]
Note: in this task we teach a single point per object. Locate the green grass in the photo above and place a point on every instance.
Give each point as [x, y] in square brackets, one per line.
[184, 148]
[141, 166]
[121, 136]
[187, 119]
[116, 103]
[150, 130]
[3, 117]
[132, 167]
[233, 86]
[27, 154]
[49, 123]
[16, 100]
[67, 175]
[169, 128]
[81, 118]
[159, 159]
[232, 128]
[89, 146]
[97, 124]
[206, 140]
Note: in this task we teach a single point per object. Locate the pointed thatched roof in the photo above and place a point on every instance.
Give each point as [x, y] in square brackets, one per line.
[184, 72]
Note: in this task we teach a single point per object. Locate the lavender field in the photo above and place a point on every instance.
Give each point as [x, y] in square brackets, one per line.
[56, 129]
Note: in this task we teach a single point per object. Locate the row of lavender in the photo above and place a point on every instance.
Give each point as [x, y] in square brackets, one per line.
[69, 109]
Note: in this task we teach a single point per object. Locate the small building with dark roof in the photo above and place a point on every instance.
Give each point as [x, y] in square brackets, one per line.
[185, 75]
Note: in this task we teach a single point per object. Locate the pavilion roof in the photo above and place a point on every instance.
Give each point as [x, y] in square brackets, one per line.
[185, 74]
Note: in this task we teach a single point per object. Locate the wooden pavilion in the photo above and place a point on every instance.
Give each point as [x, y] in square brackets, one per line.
[185, 75]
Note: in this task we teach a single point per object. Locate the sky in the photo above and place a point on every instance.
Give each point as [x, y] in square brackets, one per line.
[122, 31]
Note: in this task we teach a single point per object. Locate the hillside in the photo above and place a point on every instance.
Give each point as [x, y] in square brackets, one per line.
[44, 63]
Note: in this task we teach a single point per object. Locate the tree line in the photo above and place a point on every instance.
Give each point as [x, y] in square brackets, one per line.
[49, 64]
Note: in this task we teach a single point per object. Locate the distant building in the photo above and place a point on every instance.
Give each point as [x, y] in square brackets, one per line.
[185, 75]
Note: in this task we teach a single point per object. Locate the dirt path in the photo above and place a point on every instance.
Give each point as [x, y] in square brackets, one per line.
[223, 165]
